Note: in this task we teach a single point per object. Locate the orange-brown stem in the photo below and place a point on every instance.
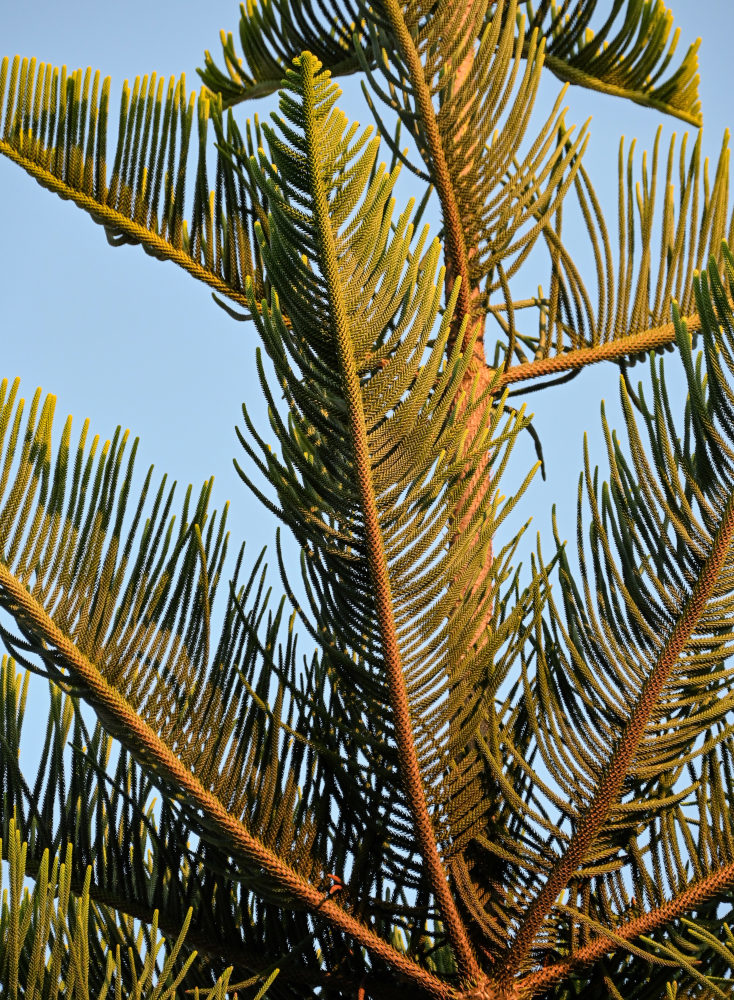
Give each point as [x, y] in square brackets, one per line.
[456, 250]
[610, 785]
[614, 350]
[145, 742]
[411, 776]
[691, 898]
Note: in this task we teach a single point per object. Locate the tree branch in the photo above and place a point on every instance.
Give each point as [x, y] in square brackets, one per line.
[145, 743]
[215, 947]
[456, 249]
[614, 350]
[607, 792]
[376, 557]
[110, 218]
[692, 897]
[572, 74]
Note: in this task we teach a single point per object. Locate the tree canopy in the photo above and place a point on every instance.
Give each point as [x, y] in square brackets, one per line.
[421, 768]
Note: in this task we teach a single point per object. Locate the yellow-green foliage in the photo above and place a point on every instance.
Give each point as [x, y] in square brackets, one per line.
[475, 783]
[45, 945]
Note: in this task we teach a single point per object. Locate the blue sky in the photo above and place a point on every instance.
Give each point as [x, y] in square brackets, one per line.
[123, 339]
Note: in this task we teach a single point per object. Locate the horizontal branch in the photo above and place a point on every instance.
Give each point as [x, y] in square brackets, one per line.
[613, 350]
[692, 897]
[145, 743]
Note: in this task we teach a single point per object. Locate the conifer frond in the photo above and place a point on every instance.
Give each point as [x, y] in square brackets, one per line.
[373, 465]
[129, 833]
[477, 786]
[89, 792]
[671, 222]
[132, 588]
[272, 33]
[495, 203]
[709, 950]
[627, 54]
[54, 125]
[119, 612]
[620, 688]
[465, 59]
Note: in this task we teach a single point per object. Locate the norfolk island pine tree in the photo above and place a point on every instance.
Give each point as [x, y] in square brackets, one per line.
[453, 766]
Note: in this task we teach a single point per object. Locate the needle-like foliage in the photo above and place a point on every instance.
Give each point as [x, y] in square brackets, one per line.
[627, 55]
[55, 127]
[472, 780]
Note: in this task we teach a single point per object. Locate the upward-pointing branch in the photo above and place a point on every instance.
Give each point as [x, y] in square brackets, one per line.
[456, 250]
[688, 900]
[610, 785]
[376, 558]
